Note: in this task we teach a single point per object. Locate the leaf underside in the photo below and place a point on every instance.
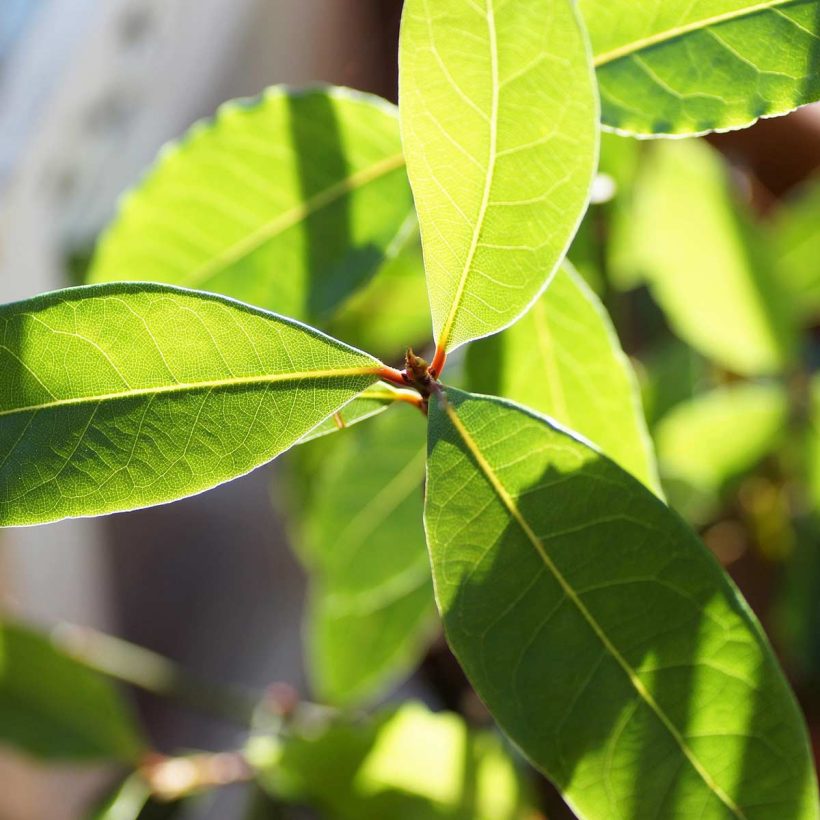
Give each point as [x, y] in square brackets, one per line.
[670, 703]
[563, 359]
[123, 396]
[500, 127]
[290, 202]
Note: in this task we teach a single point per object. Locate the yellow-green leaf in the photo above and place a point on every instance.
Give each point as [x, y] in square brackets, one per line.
[123, 396]
[290, 202]
[499, 120]
[564, 359]
[692, 66]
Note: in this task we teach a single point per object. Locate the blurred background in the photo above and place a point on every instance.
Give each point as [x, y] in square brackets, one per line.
[90, 91]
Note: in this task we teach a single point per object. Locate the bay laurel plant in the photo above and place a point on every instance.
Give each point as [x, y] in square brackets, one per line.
[603, 637]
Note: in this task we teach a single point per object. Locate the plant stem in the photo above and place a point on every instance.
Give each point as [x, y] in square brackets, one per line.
[392, 376]
[439, 360]
[154, 673]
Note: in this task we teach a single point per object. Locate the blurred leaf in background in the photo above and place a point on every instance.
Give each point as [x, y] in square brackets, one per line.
[356, 524]
[404, 763]
[55, 708]
[708, 268]
[719, 435]
[796, 241]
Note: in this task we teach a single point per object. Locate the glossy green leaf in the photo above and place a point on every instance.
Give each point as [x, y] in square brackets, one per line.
[370, 609]
[499, 121]
[564, 359]
[692, 66]
[600, 632]
[406, 764]
[289, 202]
[707, 267]
[796, 241]
[122, 396]
[53, 707]
[719, 435]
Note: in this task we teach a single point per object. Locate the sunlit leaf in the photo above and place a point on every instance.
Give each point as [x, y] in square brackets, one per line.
[367, 404]
[289, 202]
[406, 764]
[121, 396]
[599, 631]
[796, 241]
[719, 435]
[392, 312]
[707, 267]
[683, 67]
[564, 359]
[499, 121]
[53, 707]
[370, 608]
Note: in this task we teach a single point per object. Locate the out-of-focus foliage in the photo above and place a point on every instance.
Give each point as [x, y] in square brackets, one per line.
[405, 764]
[796, 241]
[54, 708]
[709, 270]
[720, 435]
[370, 608]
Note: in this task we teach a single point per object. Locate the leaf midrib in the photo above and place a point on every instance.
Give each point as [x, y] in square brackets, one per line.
[187, 387]
[284, 221]
[661, 37]
[447, 328]
[509, 502]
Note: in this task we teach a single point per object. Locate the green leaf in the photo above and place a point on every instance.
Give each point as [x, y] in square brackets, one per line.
[367, 404]
[499, 120]
[600, 632]
[53, 707]
[682, 67]
[406, 764]
[391, 313]
[672, 373]
[370, 609]
[564, 359]
[289, 202]
[720, 435]
[707, 267]
[122, 396]
[796, 243]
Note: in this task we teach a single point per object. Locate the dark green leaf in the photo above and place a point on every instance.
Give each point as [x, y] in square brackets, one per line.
[600, 632]
[55, 708]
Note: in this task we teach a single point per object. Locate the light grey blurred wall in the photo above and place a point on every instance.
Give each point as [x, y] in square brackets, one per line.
[89, 92]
